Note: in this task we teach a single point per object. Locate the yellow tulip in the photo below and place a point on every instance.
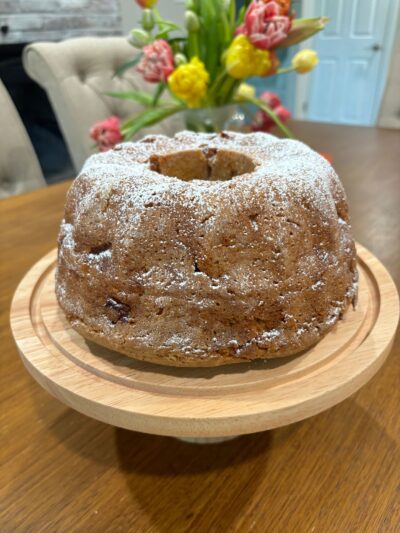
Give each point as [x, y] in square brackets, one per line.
[305, 60]
[243, 60]
[245, 91]
[189, 82]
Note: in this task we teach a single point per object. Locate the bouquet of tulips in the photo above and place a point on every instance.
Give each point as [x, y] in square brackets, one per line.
[205, 64]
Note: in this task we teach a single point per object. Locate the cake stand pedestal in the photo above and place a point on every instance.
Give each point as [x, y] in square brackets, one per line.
[203, 403]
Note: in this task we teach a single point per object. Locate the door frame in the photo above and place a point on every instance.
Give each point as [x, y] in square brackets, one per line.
[303, 82]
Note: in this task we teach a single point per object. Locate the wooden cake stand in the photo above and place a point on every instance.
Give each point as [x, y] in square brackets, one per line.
[203, 404]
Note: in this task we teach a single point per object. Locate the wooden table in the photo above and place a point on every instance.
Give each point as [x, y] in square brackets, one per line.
[336, 472]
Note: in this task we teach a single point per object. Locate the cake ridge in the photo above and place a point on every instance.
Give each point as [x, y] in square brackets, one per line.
[199, 272]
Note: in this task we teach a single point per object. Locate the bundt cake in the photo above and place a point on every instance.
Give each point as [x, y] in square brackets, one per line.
[206, 249]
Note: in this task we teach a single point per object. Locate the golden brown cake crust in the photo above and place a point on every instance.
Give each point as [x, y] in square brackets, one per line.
[205, 249]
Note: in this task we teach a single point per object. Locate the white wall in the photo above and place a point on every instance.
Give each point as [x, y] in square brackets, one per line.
[130, 12]
[389, 116]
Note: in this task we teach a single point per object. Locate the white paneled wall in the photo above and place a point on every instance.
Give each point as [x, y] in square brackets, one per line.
[32, 20]
[130, 12]
[389, 116]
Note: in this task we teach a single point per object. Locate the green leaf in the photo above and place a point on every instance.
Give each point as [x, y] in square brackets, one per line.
[225, 31]
[210, 36]
[160, 89]
[176, 40]
[232, 15]
[136, 96]
[241, 15]
[141, 97]
[166, 24]
[163, 23]
[148, 117]
[164, 29]
[161, 35]
[303, 29]
[262, 105]
[242, 11]
[129, 64]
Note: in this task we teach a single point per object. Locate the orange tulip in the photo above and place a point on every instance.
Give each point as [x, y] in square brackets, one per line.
[146, 4]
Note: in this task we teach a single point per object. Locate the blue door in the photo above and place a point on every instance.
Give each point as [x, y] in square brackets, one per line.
[348, 83]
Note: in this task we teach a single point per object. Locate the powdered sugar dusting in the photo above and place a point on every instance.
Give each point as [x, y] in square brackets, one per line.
[207, 267]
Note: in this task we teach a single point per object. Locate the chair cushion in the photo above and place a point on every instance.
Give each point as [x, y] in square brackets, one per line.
[76, 74]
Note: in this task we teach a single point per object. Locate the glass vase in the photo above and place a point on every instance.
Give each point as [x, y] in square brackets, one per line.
[233, 117]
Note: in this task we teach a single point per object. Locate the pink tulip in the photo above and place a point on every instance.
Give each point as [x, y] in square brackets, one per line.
[271, 99]
[264, 25]
[240, 29]
[282, 113]
[107, 133]
[262, 121]
[157, 62]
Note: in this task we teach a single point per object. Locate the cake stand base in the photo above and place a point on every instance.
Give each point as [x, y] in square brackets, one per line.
[203, 404]
[206, 440]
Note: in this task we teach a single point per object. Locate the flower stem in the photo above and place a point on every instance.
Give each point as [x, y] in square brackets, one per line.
[215, 93]
[224, 90]
[285, 70]
[193, 44]
[265, 107]
[233, 88]
[218, 82]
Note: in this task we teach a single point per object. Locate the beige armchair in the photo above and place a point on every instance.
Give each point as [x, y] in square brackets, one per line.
[75, 74]
[19, 167]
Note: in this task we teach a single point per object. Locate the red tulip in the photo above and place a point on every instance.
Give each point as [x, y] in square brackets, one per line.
[264, 25]
[157, 62]
[107, 133]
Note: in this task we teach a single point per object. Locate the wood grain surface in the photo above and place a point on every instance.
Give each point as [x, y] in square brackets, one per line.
[336, 472]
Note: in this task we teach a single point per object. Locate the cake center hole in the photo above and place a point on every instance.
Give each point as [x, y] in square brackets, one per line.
[215, 164]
